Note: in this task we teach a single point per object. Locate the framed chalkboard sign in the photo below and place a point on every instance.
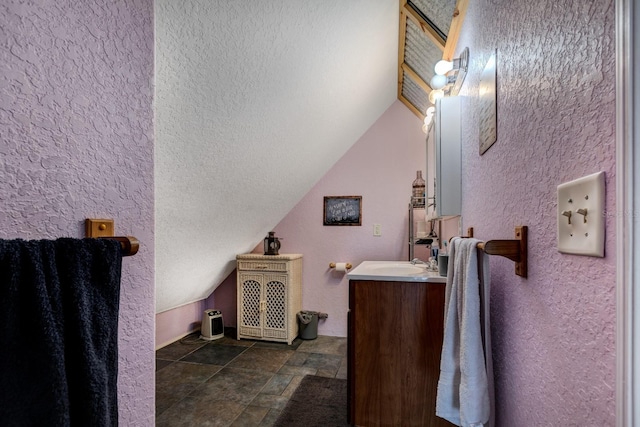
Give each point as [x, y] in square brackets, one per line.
[342, 210]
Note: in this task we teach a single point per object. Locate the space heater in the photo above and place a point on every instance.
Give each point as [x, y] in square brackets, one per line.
[212, 326]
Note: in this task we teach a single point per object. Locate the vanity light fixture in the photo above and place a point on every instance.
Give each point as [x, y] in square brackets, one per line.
[435, 95]
[443, 67]
[439, 81]
[429, 115]
[449, 76]
[428, 118]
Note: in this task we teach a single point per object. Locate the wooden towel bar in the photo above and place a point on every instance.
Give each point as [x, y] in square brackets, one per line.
[515, 250]
[128, 244]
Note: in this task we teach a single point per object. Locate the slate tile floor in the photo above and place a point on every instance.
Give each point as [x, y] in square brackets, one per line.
[238, 383]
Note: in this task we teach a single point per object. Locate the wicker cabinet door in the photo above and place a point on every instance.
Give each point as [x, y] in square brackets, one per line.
[269, 296]
[250, 306]
[275, 313]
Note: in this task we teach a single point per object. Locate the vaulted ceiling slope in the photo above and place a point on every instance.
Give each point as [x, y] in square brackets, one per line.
[429, 32]
[255, 101]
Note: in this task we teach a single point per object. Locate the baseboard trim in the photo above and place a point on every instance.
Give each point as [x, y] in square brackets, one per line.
[171, 341]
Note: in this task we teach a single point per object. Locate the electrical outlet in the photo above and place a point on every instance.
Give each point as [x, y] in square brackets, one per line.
[581, 216]
[377, 230]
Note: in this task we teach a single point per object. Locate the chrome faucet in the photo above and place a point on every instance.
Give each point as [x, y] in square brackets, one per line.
[417, 261]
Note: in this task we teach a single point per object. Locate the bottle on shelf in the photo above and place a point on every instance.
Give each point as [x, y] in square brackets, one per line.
[418, 195]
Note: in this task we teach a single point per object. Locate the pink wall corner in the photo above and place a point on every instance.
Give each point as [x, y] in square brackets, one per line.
[224, 299]
[554, 332]
[380, 167]
[174, 324]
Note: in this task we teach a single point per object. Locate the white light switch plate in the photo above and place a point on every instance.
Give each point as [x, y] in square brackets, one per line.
[575, 236]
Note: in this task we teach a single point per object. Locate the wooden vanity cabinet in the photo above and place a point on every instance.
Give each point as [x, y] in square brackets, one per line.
[395, 340]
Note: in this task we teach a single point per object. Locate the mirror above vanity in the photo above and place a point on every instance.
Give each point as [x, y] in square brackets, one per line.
[447, 159]
[442, 200]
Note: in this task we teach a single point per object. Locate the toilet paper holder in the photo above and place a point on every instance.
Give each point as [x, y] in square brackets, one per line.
[347, 265]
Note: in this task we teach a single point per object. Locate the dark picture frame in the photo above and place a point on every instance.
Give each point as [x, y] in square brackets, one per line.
[342, 210]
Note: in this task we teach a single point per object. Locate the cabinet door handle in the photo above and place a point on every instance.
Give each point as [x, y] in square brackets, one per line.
[262, 267]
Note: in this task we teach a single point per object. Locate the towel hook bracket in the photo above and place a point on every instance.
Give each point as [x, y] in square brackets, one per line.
[105, 229]
[515, 250]
[128, 244]
[95, 227]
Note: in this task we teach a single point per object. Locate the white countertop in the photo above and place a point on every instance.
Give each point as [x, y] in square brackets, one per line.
[394, 271]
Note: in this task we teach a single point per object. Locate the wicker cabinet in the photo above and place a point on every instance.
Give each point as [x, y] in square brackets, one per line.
[269, 296]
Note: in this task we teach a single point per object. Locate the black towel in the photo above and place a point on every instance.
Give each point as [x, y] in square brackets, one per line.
[59, 303]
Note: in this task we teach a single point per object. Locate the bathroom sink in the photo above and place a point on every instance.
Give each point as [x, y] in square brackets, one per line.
[394, 271]
[397, 269]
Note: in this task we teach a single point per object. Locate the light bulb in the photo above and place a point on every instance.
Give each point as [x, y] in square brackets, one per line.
[425, 128]
[435, 94]
[431, 110]
[438, 81]
[427, 119]
[442, 67]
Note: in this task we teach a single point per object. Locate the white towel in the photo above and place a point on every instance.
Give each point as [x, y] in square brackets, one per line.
[465, 387]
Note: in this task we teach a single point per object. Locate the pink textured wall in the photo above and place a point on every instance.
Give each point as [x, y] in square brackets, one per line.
[76, 141]
[553, 333]
[172, 325]
[224, 298]
[380, 167]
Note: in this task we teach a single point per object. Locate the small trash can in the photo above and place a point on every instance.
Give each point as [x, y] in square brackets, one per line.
[308, 321]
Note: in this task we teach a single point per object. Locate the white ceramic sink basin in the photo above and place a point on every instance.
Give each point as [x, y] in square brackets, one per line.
[394, 271]
[397, 269]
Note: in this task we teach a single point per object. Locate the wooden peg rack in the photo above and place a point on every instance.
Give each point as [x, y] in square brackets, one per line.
[515, 250]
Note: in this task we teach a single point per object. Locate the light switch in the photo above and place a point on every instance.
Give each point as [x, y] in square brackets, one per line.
[581, 216]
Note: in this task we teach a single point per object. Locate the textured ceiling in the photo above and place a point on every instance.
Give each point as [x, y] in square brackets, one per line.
[255, 101]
